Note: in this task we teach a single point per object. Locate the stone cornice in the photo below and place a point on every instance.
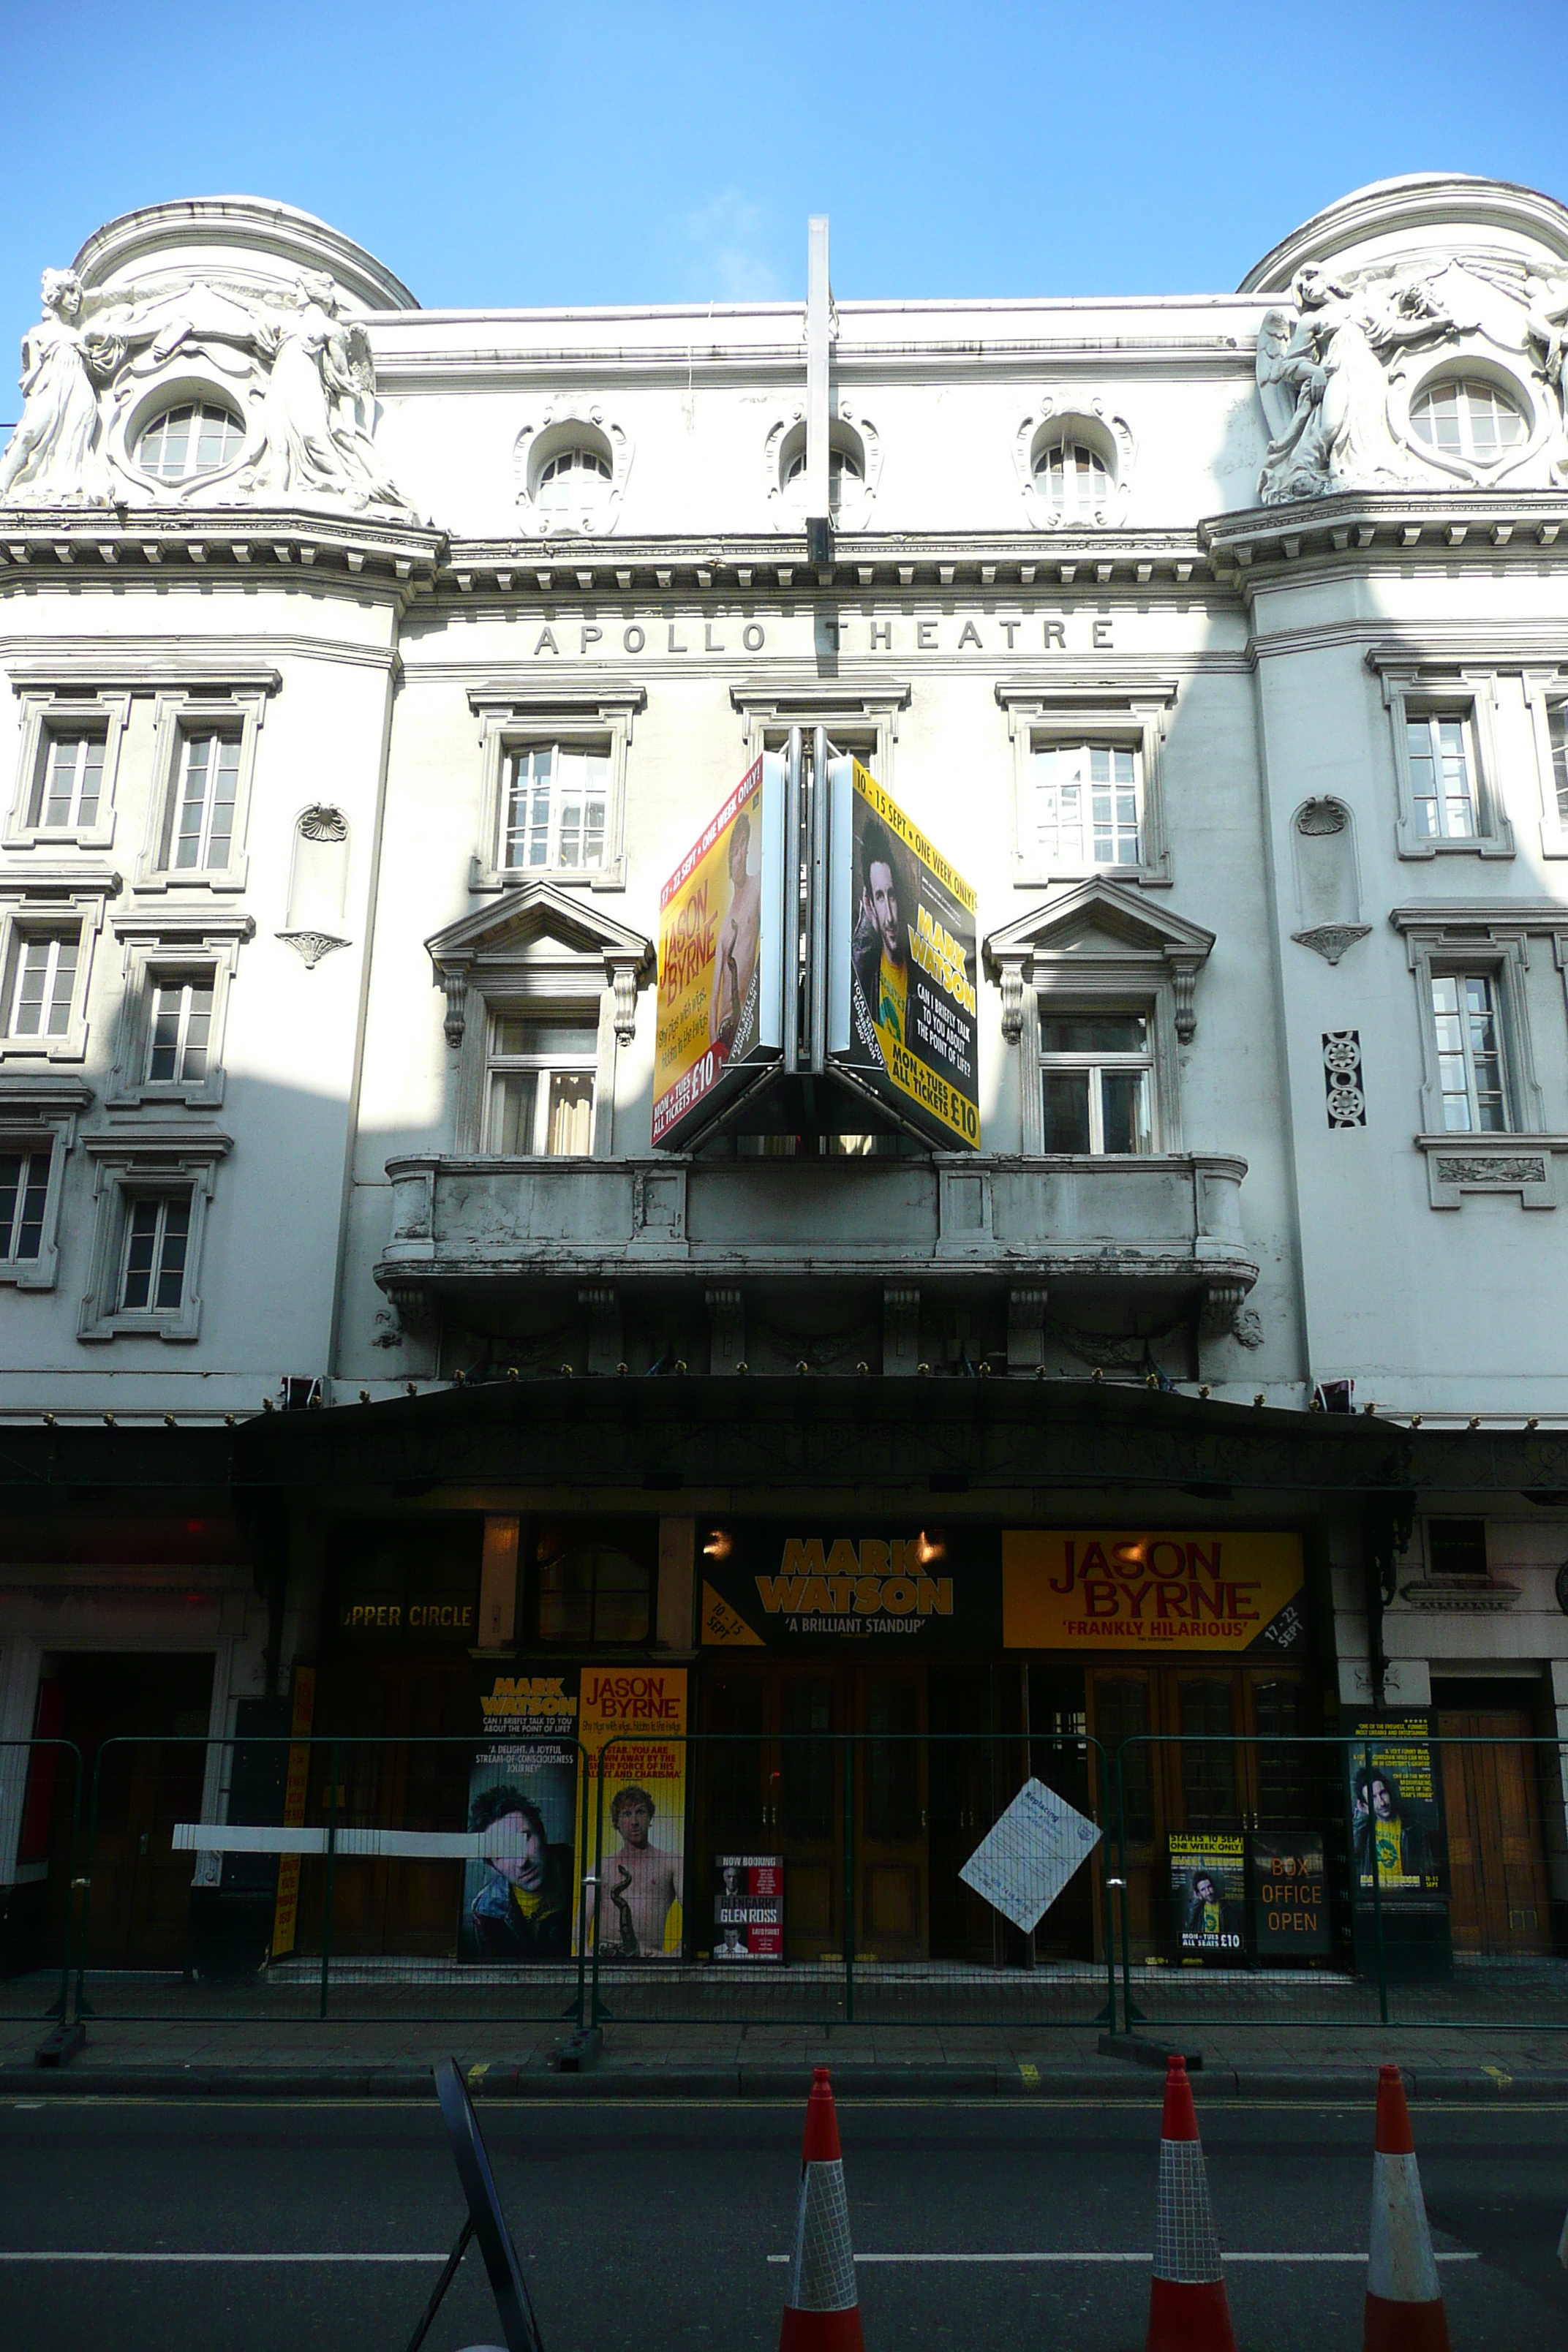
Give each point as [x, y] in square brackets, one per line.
[101, 544]
[1366, 527]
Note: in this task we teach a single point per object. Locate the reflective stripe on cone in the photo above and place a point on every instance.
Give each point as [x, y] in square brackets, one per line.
[822, 2302]
[1188, 2308]
[1404, 2301]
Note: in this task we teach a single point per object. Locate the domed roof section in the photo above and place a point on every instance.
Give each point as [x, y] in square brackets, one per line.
[1439, 213]
[270, 244]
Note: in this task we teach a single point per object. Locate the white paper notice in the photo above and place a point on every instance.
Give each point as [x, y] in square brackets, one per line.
[1021, 1865]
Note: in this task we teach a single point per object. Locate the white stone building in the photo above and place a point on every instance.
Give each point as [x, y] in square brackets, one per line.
[371, 666]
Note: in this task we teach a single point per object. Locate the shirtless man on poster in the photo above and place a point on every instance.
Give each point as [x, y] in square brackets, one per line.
[736, 957]
[639, 1885]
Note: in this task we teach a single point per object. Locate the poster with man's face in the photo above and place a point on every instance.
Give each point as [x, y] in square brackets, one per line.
[748, 1907]
[1208, 1899]
[1393, 1794]
[519, 1896]
[633, 1727]
[905, 942]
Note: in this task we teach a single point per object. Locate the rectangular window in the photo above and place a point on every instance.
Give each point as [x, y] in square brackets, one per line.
[540, 1084]
[555, 808]
[1557, 726]
[1442, 777]
[24, 1189]
[157, 1232]
[1087, 805]
[180, 1029]
[70, 781]
[202, 819]
[1471, 1077]
[1096, 1070]
[40, 983]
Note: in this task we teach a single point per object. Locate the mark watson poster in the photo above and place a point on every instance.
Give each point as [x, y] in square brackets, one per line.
[632, 1722]
[901, 992]
[519, 1900]
[721, 954]
[771, 1585]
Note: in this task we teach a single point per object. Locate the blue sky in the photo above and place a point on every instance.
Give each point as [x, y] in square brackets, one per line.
[497, 155]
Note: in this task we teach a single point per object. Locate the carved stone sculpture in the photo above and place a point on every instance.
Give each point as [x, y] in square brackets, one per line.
[1323, 382]
[56, 455]
[301, 376]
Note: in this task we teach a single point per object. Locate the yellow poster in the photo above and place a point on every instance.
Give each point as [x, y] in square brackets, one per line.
[711, 945]
[1110, 1590]
[632, 1724]
[296, 1787]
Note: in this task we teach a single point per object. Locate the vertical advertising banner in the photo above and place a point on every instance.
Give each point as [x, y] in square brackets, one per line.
[633, 1728]
[295, 1790]
[1396, 1809]
[518, 1900]
[901, 995]
[721, 955]
[1208, 1899]
[748, 1907]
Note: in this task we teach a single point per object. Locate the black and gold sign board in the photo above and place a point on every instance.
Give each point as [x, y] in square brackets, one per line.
[1289, 1896]
[893, 1589]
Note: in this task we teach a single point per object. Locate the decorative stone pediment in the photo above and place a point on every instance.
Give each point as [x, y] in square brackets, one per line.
[538, 937]
[1097, 940]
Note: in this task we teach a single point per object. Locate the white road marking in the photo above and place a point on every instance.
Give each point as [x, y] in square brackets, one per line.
[75, 2255]
[1071, 2257]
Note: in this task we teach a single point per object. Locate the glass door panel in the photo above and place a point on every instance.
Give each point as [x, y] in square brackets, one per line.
[892, 1827]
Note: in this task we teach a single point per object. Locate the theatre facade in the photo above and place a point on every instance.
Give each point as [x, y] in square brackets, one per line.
[773, 1067]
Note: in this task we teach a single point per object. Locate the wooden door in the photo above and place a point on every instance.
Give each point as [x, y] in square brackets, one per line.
[891, 1825]
[1285, 1781]
[1499, 1893]
[405, 1736]
[1122, 1709]
[1203, 1766]
[962, 1774]
[806, 1776]
[139, 1723]
[1073, 1928]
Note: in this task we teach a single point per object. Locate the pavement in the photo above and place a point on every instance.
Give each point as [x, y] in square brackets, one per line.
[176, 2225]
[174, 2054]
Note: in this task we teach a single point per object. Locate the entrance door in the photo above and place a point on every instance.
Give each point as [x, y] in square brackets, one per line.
[1203, 1764]
[771, 1781]
[962, 1774]
[1287, 1781]
[891, 1823]
[140, 1723]
[1496, 1871]
[406, 1736]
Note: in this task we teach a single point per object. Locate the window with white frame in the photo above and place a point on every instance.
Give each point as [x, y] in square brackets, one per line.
[1441, 752]
[571, 480]
[1097, 1081]
[153, 1253]
[1557, 737]
[41, 981]
[1086, 805]
[555, 808]
[1472, 1075]
[843, 466]
[197, 437]
[200, 835]
[23, 1201]
[69, 783]
[1467, 417]
[1074, 479]
[539, 1081]
[179, 1028]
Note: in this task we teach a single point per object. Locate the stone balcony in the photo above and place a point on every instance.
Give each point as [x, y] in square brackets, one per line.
[1110, 1234]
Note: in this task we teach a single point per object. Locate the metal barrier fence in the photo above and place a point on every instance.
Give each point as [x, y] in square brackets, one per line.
[1393, 1877]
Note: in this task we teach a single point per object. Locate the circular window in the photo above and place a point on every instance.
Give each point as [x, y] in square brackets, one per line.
[1073, 479]
[571, 480]
[195, 438]
[1467, 417]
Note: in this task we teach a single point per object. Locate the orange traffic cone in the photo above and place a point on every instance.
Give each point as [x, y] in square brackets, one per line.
[1188, 2311]
[822, 2301]
[1404, 2301]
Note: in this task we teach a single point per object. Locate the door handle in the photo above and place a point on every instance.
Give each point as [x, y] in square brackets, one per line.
[141, 1843]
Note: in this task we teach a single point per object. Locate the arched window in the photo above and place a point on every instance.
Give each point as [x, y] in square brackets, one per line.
[1467, 417]
[197, 437]
[1073, 479]
[570, 480]
[843, 466]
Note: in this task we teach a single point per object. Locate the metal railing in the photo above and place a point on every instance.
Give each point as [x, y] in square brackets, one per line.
[1274, 1881]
